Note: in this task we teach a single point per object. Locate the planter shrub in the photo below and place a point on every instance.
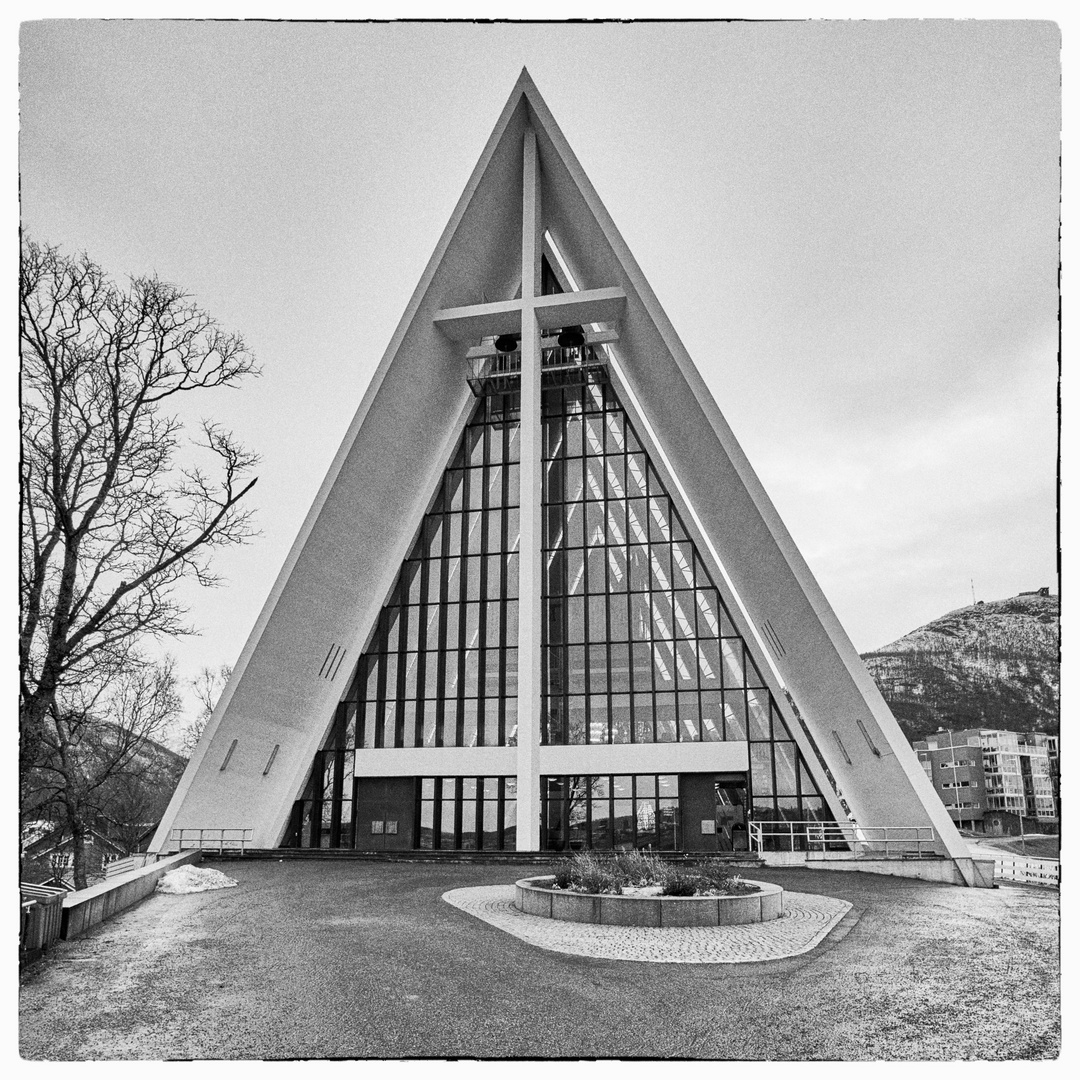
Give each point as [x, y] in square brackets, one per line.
[588, 872]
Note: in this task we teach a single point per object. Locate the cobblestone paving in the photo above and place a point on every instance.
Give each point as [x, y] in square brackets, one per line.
[806, 920]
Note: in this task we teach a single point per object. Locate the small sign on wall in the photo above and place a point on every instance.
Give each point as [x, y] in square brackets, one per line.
[391, 828]
[376, 827]
[708, 827]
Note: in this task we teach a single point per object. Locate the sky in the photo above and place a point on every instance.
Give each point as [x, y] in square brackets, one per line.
[851, 225]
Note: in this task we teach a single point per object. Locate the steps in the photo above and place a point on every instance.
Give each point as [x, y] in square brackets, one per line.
[517, 858]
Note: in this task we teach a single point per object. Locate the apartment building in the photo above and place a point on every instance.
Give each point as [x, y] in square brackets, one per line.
[983, 770]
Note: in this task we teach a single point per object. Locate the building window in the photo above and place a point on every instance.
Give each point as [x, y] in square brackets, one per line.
[467, 813]
[460, 813]
[638, 644]
[443, 659]
[610, 812]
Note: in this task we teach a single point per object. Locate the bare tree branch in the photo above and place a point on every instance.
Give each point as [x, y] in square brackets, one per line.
[111, 518]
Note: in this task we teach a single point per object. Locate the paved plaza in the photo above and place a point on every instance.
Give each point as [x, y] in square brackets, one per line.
[362, 959]
[806, 921]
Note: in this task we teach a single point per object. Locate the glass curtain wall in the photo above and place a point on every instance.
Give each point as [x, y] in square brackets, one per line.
[441, 669]
[468, 813]
[638, 645]
[606, 812]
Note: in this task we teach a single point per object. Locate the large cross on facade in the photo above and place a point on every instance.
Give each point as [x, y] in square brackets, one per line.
[529, 317]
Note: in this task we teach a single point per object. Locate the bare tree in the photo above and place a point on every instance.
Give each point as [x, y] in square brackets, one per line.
[208, 685]
[135, 798]
[93, 744]
[110, 520]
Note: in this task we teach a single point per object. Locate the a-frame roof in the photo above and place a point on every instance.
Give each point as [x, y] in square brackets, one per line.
[344, 560]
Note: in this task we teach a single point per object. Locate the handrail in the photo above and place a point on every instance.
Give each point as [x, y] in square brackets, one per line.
[1028, 870]
[205, 839]
[501, 370]
[880, 840]
[40, 892]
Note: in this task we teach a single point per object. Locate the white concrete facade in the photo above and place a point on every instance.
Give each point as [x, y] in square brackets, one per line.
[371, 505]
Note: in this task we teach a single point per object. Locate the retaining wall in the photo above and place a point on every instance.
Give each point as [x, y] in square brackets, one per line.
[978, 873]
[86, 908]
[535, 897]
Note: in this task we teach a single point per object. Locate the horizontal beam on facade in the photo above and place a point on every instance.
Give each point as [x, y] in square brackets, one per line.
[592, 337]
[621, 758]
[552, 312]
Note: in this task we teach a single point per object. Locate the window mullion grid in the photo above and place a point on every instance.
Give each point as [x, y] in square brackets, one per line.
[631, 674]
[547, 466]
[586, 590]
[421, 643]
[564, 583]
[564, 646]
[500, 817]
[481, 804]
[339, 775]
[319, 771]
[607, 589]
[380, 708]
[659, 644]
[610, 811]
[418, 812]
[799, 765]
[444, 563]
[772, 759]
[656, 644]
[362, 720]
[478, 813]
[558, 651]
[695, 618]
[403, 663]
[588, 810]
[504, 545]
[462, 609]
[482, 706]
[564, 810]
[651, 650]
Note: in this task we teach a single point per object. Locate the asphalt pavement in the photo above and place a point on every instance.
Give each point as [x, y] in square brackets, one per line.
[364, 960]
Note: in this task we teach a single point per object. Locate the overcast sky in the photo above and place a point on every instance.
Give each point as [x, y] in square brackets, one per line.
[852, 226]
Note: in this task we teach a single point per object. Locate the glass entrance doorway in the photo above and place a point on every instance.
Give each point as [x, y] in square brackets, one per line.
[730, 803]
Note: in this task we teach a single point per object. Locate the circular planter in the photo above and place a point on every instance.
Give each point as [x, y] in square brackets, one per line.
[534, 897]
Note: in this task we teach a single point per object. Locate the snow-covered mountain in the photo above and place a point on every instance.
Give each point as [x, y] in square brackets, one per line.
[994, 664]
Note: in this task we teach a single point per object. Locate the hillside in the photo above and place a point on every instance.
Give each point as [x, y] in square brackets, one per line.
[994, 664]
[129, 802]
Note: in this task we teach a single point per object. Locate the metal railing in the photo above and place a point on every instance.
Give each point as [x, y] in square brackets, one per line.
[219, 840]
[1027, 871]
[820, 837]
[501, 372]
[121, 864]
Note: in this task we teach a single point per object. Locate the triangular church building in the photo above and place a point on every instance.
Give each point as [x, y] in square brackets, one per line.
[541, 601]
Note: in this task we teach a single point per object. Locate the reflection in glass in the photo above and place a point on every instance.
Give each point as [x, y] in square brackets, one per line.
[639, 645]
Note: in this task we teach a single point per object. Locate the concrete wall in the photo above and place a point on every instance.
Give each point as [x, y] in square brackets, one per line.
[976, 873]
[86, 908]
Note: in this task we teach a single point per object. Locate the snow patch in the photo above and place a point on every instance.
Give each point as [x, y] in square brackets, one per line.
[192, 879]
